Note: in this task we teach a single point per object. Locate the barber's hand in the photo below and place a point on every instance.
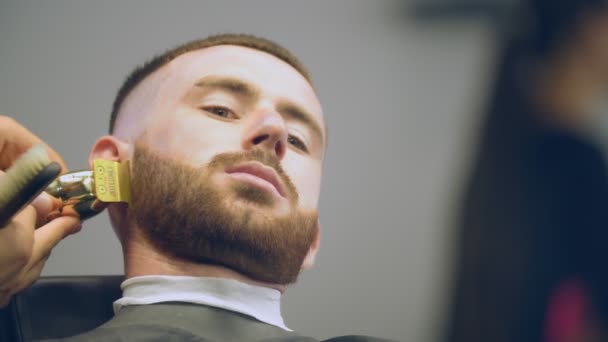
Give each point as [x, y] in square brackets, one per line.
[23, 248]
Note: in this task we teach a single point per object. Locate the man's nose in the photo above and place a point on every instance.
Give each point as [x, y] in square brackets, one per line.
[266, 129]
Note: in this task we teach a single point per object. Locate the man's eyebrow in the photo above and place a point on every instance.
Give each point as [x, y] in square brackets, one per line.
[295, 112]
[230, 84]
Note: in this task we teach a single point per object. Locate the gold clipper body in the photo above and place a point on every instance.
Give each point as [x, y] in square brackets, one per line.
[85, 194]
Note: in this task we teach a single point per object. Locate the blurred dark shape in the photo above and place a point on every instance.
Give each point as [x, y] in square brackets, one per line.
[533, 229]
[458, 9]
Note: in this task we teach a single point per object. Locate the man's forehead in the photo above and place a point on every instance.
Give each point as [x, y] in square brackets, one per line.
[171, 81]
[246, 63]
[217, 54]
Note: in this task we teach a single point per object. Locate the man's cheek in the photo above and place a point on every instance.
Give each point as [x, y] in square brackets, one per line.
[308, 186]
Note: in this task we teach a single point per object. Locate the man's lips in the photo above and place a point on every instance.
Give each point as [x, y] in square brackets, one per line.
[258, 173]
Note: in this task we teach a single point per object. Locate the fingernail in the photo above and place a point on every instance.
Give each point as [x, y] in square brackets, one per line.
[43, 203]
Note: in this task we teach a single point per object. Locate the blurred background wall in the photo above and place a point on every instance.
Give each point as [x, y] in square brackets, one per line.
[401, 99]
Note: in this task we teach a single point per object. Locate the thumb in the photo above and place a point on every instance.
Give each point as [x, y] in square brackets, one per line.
[49, 235]
[44, 205]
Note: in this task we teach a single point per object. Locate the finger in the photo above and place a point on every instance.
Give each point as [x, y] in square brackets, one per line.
[44, 205]
[27, 278]
[54, 156]
[19, 282]
[24, 219]
[18, 229]
[49, 235]
[16, 140]
[16, 243]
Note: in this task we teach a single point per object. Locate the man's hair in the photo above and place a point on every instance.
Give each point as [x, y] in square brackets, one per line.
[141, 72]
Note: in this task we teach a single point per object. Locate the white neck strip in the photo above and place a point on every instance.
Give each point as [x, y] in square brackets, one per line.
[261, 303]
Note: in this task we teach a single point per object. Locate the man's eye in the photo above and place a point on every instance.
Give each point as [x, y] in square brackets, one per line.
[221, 112]
[297, 143]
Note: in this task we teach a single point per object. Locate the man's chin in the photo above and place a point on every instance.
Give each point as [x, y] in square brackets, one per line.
[252, 201]
[239, 195]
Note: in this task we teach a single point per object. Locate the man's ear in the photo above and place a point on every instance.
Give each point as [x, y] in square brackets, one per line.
[309, 261]
[110, 148]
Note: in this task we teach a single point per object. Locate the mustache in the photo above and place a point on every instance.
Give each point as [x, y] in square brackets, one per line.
[269, 159]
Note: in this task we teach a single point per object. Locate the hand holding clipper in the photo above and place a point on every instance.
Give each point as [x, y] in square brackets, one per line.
[86, 193]
[23, 248]
[25, 242]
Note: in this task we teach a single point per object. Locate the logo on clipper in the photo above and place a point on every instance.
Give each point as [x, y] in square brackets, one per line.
[112, 181]
[99, 175]
[106, 178]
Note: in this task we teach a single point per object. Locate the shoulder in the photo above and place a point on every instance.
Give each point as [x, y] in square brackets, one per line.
[135, 333]
[357, 338]
[348, 338]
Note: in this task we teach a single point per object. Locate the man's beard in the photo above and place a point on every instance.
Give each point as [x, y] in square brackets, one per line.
[187, 215]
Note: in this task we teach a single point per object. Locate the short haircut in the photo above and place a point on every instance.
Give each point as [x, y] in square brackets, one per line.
[141, 72]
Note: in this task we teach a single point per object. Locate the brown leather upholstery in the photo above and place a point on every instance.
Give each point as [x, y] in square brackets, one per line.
[56, 307]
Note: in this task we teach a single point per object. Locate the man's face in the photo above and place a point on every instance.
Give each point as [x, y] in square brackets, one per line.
[227, 165]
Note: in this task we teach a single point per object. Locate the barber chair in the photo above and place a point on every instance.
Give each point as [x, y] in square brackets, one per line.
[59, 306]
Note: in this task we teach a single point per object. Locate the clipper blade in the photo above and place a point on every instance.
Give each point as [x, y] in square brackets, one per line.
[85, 194]
[112, 181]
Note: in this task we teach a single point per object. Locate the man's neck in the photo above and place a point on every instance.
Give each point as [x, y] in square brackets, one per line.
[142, 258]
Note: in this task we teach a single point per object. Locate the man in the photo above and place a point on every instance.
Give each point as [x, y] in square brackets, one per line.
[226, 140]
